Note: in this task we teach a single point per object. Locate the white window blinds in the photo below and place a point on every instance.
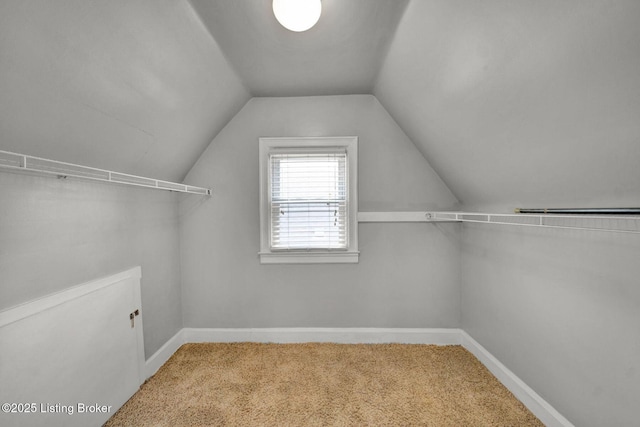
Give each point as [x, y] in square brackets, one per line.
[308, 200]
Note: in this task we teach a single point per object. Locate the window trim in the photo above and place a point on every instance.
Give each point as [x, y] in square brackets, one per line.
[310, 256]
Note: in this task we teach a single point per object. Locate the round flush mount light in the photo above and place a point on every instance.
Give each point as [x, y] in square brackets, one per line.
[297, 15]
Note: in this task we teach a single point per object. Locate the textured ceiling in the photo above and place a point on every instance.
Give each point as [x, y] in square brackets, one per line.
[341, 54]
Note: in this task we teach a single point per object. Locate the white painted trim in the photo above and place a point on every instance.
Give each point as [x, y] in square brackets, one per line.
[336, 335]
[46, 302]
[309, 257]
[532, 400]
[392, 217]
[269, 144]
[139, 327]
[163, 354]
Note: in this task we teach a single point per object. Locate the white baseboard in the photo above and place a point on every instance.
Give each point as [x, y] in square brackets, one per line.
[532, 400]
[536, 404]
[336, 335]
[161, 356]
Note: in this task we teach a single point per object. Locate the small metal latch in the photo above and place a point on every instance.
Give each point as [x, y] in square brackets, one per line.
[132, 317]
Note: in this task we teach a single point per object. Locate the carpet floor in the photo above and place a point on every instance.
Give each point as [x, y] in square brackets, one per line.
[250, 384]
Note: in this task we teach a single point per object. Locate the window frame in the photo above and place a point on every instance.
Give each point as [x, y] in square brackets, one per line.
[268, 145]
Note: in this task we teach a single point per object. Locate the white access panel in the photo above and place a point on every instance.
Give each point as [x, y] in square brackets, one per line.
[72, 358]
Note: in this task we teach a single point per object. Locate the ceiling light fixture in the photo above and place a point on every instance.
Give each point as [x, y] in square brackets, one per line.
[297, 15]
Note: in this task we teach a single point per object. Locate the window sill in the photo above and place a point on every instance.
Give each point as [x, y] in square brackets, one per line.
[309, 258]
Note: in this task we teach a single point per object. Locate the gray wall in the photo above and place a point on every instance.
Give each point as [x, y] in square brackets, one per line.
[60, 233]
[560, 309]
[408, 275]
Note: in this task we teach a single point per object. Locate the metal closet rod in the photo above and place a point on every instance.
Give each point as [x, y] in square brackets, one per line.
[581, 211]
[14, 162]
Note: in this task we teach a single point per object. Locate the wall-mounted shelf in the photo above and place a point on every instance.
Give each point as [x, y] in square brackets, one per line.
[393, 217]
[612, 223]
[14, 162]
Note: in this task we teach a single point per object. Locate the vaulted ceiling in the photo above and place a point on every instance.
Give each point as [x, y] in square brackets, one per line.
[522, 101]
[341, 54]
[133, 86]
[509, 101]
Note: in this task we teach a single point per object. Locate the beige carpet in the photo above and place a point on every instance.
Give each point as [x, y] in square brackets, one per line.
[248, 384]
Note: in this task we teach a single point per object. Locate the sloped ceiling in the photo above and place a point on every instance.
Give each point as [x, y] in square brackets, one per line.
[522, 101]
[133, 86]
[341, 54]
[509, 101]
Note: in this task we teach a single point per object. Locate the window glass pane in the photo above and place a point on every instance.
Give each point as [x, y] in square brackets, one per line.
[308, 201]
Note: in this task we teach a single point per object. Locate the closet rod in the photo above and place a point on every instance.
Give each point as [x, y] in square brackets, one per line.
[582, 211]
[609, 223]
[14, 162]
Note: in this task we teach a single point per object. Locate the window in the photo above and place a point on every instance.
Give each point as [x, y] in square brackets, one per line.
[308, 200]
